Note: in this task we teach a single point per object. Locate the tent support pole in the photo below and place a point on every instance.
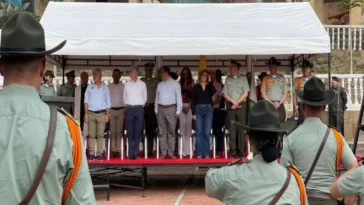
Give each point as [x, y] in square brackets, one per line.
[329, 78]
[63, 69]
[292, 79]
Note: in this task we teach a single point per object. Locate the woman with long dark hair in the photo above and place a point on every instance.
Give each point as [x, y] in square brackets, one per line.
[203, 113]
[185, 118]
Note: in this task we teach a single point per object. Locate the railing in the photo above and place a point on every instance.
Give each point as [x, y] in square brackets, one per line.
[352, 83]
[343, 37]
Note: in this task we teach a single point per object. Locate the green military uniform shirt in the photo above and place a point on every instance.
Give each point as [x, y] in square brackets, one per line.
[47, 90]
[66, 90]
[301, 147]
[274, 86]
[235, 86]
[24, 125]
[151, 85]
[353, 184]
[299, 87]
[254, 183]
[341, 98]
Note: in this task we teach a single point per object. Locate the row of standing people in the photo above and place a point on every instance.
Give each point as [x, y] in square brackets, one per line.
[234, 93]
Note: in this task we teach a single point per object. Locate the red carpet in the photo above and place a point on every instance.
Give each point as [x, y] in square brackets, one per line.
[185, 161]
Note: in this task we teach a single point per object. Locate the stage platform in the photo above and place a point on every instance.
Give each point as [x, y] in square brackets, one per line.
[161, 162]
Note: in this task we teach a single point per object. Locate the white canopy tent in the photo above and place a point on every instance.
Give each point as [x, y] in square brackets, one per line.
[113, 35]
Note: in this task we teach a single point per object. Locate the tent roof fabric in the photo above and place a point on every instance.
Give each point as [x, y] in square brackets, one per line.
[118, 29]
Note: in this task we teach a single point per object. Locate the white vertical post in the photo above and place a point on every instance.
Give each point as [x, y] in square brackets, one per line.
[356, 102]
[361, 89]
[191, 138]
[354, 33]
[213, 144]
[108, 148]
[344, 39]
[360, 43]
[338, 38]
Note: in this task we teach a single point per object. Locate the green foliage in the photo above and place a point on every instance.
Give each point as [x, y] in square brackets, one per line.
[9, 9]
[350, 4]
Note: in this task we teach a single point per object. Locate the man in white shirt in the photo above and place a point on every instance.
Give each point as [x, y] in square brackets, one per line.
[168, 106]
[135, 97]
[116, 113]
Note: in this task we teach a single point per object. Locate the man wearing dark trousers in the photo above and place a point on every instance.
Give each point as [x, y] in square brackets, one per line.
[150, 119]
[135, 97]
[338, 106]
[235, 92]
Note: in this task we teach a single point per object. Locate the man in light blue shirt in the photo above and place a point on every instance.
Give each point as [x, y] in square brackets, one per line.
[97, 113]
[168, 106]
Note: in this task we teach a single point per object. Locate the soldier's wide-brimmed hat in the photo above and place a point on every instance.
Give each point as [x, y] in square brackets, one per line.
[314, 93]
[306, 64]
[234, 63]
[49, 73]
[263, 116]
[71, 74]
[23, 35]
[273, 61]
[149, 64]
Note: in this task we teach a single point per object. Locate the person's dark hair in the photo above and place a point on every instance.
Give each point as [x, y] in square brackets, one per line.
[166, 69]
[19, 63]
[313, 108]
[116, 70]
[266, 143]
[173, 75]
[189, 78]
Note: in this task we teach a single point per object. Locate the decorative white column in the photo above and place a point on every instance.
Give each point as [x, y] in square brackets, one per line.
[361, 89]
[356, 91]
[349, 89]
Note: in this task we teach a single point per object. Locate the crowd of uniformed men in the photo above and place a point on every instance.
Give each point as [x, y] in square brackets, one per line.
[317, 151]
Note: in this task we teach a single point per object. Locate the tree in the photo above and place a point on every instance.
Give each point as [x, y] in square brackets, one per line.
[350, 4]
[9, 9]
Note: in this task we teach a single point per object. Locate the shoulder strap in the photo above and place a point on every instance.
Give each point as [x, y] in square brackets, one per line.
[340, 146]
[298, 83]
[46, 154]
[300, 183]
[283, 189]
[74, 130]
[317, 156]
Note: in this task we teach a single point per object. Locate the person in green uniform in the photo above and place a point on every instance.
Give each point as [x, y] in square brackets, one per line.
[150, 119]
[274, 88]
[298, 85]
[260, 180]
[350, 183]
[25, 120]
[302, 145]
[68, 89]
[338, 106]
[47, 88]
[235, 92]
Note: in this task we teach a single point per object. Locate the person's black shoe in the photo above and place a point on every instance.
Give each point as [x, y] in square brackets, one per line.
[92, 158]
[99, 158]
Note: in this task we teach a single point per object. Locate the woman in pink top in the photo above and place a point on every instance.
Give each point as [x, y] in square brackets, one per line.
[185, 118]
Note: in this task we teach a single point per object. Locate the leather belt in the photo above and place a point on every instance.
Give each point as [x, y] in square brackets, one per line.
[117, 108]
[167, 106]
[134, 106]
[98, 111]
[319, 195]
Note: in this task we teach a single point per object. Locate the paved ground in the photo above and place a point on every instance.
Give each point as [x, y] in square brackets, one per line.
[166, 186]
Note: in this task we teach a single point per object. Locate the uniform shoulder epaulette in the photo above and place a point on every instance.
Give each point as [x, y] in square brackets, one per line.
[64, 112]
[293, 167]
[334, 128]
[278, 74]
